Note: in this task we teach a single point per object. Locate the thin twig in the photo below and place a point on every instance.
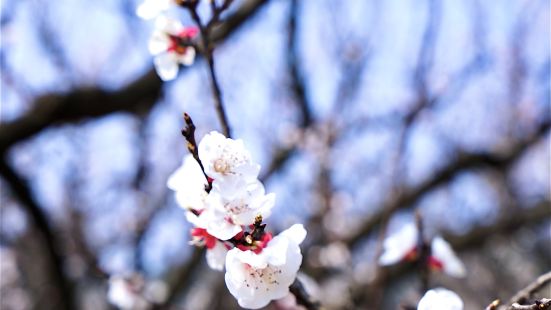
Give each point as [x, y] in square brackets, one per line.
[207, 51]
[424, 252]
[189, 133]
[526, 293]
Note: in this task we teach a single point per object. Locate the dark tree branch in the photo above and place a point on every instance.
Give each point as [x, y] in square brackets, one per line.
[302, 296]
[65, 298]
[137, 97]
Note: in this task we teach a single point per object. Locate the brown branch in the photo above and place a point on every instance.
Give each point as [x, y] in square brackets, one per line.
[20, 188]
[526, 293]
[179, 278]
[302, 296]
[83, 103]
[207, 52]
[542, 304]
[463, 162]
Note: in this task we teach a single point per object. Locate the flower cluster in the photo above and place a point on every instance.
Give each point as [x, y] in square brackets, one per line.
[171, 43]
[226, 203]
[403, 246]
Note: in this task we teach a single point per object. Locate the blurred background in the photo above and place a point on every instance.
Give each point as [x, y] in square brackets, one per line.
[360, 113]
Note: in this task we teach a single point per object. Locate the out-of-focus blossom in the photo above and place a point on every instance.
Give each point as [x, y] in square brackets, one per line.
[226, 160]
[127, 293]
[150, 9]
[189, 182]
[402, 246]
[443, 256]
[230, 208]
[256, 278]
[170, 43]
[440, 299]
[135, 293]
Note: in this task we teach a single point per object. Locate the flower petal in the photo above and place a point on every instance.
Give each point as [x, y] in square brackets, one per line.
[166, 66]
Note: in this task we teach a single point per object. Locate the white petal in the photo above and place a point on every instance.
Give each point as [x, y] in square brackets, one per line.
[168, 25]
[295, 233]
[188, 57]
[166, 66]
[442, 251]
[220, 228]
[440, 299]
[258, 261]
[277, 250]
[158, 43]
[216, 257]
[398, 245]
[147, 10]
[151, 8]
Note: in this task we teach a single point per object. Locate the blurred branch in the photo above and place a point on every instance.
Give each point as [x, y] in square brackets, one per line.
[138, 96]
[298, 87]
[523, 217]
[302, 296]
[20, 188]
[526, 293]
[408, 198]
[542, 304]
[179, 279]
[293, 60]
[207, 52]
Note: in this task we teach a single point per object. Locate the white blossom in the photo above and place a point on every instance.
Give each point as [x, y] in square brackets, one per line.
[167, 47]
[402, 245]
[442, 252]
[150, 9]
[226, 160]
[397, 246]
[256, 279]
[440, 299]
[188, 182]
[126, 294]
[230, 208]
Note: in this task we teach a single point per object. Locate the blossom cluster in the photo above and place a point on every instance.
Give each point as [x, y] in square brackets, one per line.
[171, 43]
[403, 246]
[226, 203]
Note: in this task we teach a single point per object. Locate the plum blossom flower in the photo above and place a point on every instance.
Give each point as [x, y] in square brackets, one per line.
[256, 278]
[230, 208]
[150, 9]
[170, 44]
[440, 299]
[402, 246]
[226, 159]
[188, 182]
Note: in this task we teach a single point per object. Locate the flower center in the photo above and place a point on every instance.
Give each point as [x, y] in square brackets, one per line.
[221, 166]
[262, 279]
